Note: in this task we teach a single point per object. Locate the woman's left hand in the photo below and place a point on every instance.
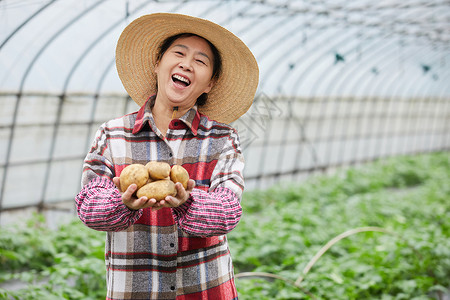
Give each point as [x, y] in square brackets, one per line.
[179, 199]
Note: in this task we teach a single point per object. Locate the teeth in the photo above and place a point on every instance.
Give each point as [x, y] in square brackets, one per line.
[181, 78]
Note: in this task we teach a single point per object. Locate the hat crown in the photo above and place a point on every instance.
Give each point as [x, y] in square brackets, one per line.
[136, 57]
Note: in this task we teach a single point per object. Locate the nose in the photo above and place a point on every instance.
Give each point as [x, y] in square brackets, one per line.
[185, 64]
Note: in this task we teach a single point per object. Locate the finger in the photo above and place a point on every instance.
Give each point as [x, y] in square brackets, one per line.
[135, 204]
[150, 202]
[116, 181]
[169, 201]
[130, 191]
[157, 206]
[181, 192]
[190, 185]
[142, 202]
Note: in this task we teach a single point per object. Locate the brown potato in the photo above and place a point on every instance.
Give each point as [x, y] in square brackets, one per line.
[179, 174]
[158, 169]
[158, 190]
[134, 173]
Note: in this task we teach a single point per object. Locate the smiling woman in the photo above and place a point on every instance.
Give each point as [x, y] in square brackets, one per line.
[191, 77]
[184, 73]
[216, 60]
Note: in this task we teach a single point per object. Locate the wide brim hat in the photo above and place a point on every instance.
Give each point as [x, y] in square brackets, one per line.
[136, 56]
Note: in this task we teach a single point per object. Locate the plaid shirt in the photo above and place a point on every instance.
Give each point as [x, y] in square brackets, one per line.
[172, 253]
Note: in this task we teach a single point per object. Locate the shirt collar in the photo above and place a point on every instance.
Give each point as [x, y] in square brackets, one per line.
[191, 118]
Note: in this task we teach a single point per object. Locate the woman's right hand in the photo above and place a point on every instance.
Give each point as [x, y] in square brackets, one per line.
[132, 202]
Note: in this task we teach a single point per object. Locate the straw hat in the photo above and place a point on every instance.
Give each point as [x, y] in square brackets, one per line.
[137, 48]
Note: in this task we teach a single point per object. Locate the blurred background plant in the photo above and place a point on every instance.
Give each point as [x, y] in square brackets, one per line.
[282, 228]
[342, 84]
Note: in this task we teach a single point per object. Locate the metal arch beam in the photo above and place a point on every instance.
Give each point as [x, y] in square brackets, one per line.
[19, 95]
[276, 45]
[324, 53]
[382, 49]
[359, 24]
[53, 37]
[271, 47]
[37, 12]
[413, 85]
[366, 85]
[277, 64]
[106, 70]
[447, 120]
[294, 46]
[340, 41]
[112, 62]
[336, 82]
[108, 67]
[385, 46]
[97, 40]
[64, 91]
[393, 81]
[382, 34]
[425, 92]
[104, 73]
[308, 70]
[101, 80]
[348, 72]
[91, 46]
[376, 60]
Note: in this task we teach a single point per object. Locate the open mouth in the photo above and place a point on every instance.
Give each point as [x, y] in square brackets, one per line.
[181, 80]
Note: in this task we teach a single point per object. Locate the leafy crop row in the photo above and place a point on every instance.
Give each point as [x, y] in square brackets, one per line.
[56, 264]
[284, 227]
[396, 245]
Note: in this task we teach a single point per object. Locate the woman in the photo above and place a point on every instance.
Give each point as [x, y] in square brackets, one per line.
[191, 78]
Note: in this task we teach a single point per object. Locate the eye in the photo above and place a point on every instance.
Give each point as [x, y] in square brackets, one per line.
[178, 53]
[200, 61]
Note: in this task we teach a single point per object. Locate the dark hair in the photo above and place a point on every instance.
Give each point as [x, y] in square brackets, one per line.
[217, 60]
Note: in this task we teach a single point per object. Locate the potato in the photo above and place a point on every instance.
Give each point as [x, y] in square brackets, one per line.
[159, 190]
[158, 169]
[134, 173]
[179, 174]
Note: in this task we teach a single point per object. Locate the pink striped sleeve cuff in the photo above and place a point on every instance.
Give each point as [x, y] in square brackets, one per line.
[208, 214]
[100, 207]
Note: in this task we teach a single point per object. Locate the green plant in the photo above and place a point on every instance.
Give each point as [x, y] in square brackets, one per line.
[284, 227]
[53, 264]
[378, 231]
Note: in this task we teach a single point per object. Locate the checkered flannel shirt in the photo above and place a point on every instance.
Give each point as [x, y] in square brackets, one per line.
[172, 253]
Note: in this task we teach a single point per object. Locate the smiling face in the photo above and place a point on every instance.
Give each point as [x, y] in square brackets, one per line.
[184, 72]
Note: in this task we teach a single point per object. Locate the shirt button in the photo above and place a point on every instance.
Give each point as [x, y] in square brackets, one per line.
[172, 245]
[172, 288]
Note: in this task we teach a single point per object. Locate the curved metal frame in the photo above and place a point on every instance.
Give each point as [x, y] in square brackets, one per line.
[277, 48]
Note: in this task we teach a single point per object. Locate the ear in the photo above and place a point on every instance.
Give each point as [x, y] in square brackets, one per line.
[156, 67]
[209, 86]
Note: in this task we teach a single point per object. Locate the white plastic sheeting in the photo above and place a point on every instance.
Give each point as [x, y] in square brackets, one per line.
[304, 48]
[341, 82]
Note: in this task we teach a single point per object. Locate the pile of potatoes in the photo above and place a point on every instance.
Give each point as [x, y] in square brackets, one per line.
[154, 180]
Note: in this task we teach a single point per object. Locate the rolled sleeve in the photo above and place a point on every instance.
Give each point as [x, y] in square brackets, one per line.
[230, 166]
[100, 207]
[217, 211]
[99, 202]
[208, 214]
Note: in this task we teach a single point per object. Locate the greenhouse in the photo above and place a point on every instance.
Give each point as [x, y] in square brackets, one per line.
[349, 129]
